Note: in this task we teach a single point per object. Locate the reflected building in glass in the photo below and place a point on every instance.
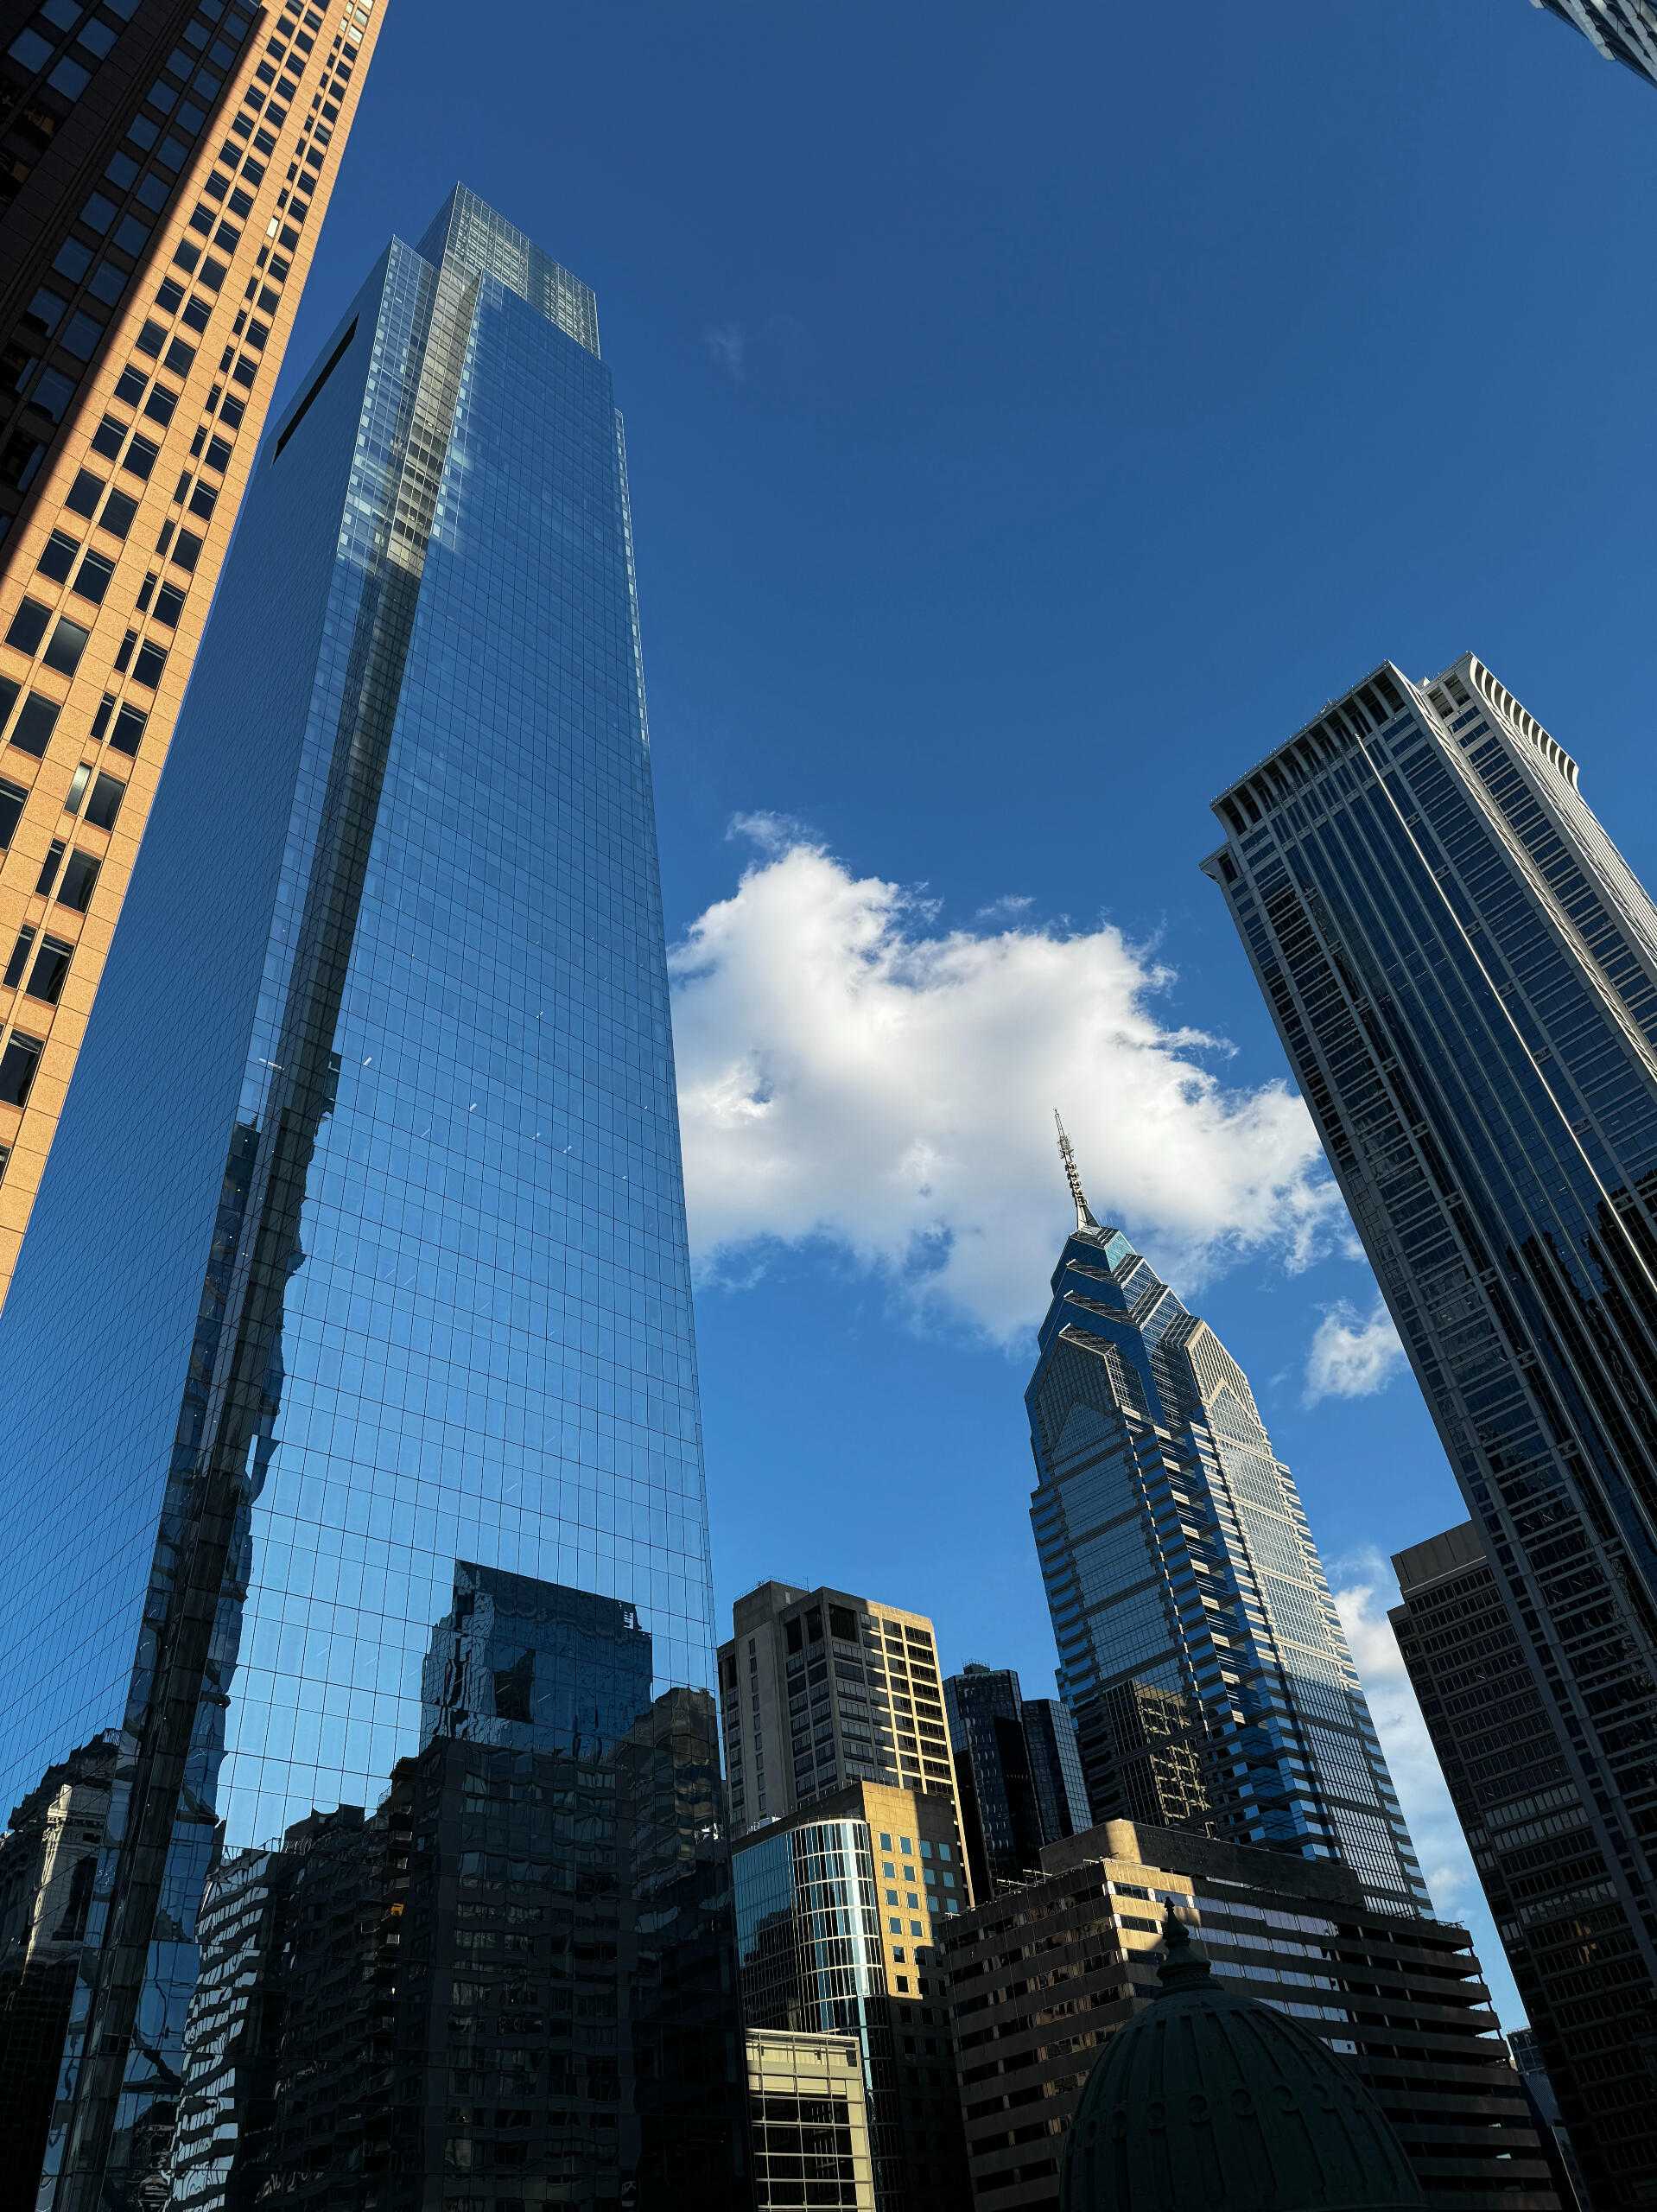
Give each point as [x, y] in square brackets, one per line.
[1199, 1647]
[358, 1299]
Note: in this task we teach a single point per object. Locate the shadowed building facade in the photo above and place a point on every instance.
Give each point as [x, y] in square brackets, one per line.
[1018, 1772]
[1463, 974]
[392, 1268]
[1199, 1647]
[165, 166]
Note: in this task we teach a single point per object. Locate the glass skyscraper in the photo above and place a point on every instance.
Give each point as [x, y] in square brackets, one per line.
[362, 1253]
[1463, 973]
[1623, 31]
[1018, 1773]
[1199, 1647]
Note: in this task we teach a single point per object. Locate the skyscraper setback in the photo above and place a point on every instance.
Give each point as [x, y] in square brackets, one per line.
[1623, 31]
[1199, 1646]
[164, 171]
[1463, 973]
[392, 1287]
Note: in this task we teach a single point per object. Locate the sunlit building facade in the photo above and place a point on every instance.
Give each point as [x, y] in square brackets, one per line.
[391, 1264]
[1463, 970]
[1622, 30]
[165, 166]
[1199, 1647]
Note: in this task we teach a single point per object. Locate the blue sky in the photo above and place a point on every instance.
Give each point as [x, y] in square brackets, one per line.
[1033, 417]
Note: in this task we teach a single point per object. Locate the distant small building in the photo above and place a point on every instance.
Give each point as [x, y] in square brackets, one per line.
[1018, 1774]
[810, 2121]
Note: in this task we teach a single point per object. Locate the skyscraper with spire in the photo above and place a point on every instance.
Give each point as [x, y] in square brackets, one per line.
[1622, 30]
[1200, 1650]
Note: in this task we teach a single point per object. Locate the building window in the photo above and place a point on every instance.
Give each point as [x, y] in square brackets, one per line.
[105, 802]
[17, 1065]
[49, 867]
[32, 732]
[19, 959]
[11, 806]
[28, 626]
[93, 578]
[79, 880]
[126, 736]
[69, 643]
[118, 514]
[51, 967]
[78, 788]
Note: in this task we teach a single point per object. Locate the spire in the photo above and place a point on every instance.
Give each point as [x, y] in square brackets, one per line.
[1184, 1964]
[1083, 1212]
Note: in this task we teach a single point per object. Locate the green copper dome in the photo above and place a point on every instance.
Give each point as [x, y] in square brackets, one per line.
[1211, 2101]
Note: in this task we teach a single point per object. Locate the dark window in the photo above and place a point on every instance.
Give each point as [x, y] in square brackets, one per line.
[108, 282]
[181, 357]
[19, 960]
[106, 438]
[52, 393]
[219, 455]
[51, 968]
[196, 316]
[128, 732]
[44, 311]
[133, 235]
[123, 654]
[101, 716]
[59, 556]
[28, 626]
[105, 802]
[151, 339]
[217, 184]
[97, 213]
[182, 492]
[169, 605]
[187, 550]
[814, 1626]
[146, 667]
[131, 386]
[842, 1624]
[80, 879]
[244, 371]
[32, 731]
[170, 298]
[83, 493]
[69, 643]
[55, 853]
[82, 337]
[141, 458]
[119, 512]
[146, 590]
[241, 204]
[8, 691]
[228, 238]
[202, 220]
[796, 1636]
[231, 412]
[187, 255]
[258, 334]
[214, 274]
[72, 260]
[121, 171]
[160, 404]
[5, 1161]
[17, 1065]
[21, 459]
[203, 501]
[11, 806]
[93, 578]
[152, 194]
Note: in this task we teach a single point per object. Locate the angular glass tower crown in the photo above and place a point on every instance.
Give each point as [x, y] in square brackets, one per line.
[361, 1258]
[1200, 1650]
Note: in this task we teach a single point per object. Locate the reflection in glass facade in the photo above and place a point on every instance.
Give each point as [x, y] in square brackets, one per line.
[362, 1249]
[1199, 1647]
[1463, 972]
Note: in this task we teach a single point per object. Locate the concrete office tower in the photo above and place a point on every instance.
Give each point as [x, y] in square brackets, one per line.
[1403, 2002]
[390, 1266]
[1463, 973]
[810, 2121]
[1199, 1647]
[818, 1688]
[1513, 1792]
[1018, 1777]
[1622, 30]
[166, 167]
[840, 1907]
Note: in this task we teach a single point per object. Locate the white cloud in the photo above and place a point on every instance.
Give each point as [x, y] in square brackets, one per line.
[1351, 1357]
[727, 343]
[848, 1071]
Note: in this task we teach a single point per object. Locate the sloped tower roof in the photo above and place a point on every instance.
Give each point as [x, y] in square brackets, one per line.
[1209, 2099]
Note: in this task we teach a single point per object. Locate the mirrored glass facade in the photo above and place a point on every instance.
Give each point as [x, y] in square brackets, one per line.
[1463, 973]
[361, 1256]
[1199, 1647]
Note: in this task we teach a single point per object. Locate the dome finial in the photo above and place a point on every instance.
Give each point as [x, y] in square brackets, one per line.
[1185, 1965]
[1083, 1212]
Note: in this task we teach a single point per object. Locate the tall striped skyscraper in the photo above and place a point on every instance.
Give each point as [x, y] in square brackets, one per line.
[1463, 973]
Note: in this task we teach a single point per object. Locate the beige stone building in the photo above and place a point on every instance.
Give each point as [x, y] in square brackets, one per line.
[810, 2121]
